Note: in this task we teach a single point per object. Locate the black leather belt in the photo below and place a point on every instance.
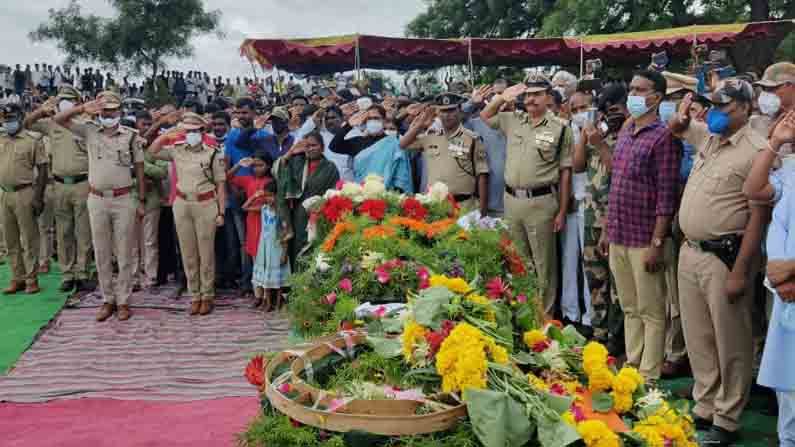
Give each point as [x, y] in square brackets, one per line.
[462, 197]
[529, 193]
[71, 180]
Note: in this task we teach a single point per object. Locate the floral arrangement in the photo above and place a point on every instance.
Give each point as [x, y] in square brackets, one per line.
[383, 246]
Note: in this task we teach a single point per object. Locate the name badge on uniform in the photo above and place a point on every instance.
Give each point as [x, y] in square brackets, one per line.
[457, 150]
[545, 138]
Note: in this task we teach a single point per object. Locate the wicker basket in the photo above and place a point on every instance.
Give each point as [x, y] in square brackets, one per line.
[382, 417]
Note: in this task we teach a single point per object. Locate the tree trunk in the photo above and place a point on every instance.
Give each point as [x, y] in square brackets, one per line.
[760, 10]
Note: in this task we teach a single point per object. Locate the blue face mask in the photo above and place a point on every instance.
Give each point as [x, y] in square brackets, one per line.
[667, 110]
[637, 106]
[717, 121]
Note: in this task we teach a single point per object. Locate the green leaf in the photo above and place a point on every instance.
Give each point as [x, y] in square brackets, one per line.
[430, 306]
[602, 402]
[375, 327]
[560, 404]
[385, 347]
[504, 318]
[647, 411]
[392, 325]
[497, 419]
[555, 334]
[525, 317]
[571, 337]
[556, 433]
[525, 358]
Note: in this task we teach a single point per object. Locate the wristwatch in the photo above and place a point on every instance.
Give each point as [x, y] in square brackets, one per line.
[656, 242]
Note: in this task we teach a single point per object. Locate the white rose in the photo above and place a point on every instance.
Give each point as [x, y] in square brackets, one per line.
[351, 189]
[321, 263]
[439, 192]
[373, 189]
[331, 193]
[311, 203]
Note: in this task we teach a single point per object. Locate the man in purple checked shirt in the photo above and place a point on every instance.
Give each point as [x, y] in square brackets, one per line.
[644, 195]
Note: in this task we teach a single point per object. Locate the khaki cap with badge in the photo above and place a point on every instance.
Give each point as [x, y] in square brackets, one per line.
[69, 93]
[537, 82]
[281, 113]
[777, 75]
[192, 121]
[448, 101]
[112, 100]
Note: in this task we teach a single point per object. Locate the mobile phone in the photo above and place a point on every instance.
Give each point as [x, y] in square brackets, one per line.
[593, 65]
[717, 56]
[659, 60]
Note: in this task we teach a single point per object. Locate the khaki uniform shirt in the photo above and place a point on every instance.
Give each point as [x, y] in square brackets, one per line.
[19, 155]
[69, 155]
[195, 174]
[449, 159]
[532, 156]
[713, 204]
[111, 158]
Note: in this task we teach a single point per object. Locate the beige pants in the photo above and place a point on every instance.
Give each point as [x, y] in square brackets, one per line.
[112, 220]
[21, 234]
[195, 223]
[675, 349]
[46, 222]
[643, 297]
[145, 248]
[73, 230]
[718, 335]
[530, 222]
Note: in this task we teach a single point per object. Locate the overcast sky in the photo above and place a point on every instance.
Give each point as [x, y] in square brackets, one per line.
[241, 18]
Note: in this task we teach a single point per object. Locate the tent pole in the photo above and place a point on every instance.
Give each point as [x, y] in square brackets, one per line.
[358, 61]
[582, 58]
[471, 64]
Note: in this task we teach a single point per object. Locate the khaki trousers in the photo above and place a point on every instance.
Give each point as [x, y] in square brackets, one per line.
[643, 297]
[675, 349]
[145, 248]
[112, 221]
[21, 234]
[718, 335]
[530, 222]
[46, 222]
[196, 228]
[73, 230]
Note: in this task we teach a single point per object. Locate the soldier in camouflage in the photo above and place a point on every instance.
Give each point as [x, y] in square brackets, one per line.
[593, 155]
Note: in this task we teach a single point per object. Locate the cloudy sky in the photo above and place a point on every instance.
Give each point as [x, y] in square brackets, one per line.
[241, 18]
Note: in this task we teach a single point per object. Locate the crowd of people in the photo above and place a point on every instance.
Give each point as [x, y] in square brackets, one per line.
[655, 212]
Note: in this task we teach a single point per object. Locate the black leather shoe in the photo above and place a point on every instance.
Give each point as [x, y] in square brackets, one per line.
[719, 437]
[67, 285]
[84, 285]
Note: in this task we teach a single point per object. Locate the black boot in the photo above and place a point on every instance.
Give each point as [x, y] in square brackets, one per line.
[67, 286]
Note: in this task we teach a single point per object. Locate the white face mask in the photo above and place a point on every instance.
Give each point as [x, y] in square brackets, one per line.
[193, 138]
[391, 133]
[364, 103]
[769, 103]
[108, 123]
[579, 119]
[374, 127]
[65, 105]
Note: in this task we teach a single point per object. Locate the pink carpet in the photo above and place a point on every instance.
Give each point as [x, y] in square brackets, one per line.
[71, 423]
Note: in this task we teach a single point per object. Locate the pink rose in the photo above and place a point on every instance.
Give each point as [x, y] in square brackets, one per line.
[379, 312]
[285, 388]
[521, 299]
[346, 285]
[331, 298]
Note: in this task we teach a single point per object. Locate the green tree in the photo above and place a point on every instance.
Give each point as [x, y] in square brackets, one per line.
[142, 33]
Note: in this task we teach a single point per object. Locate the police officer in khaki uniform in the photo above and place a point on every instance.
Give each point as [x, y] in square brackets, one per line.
[69, 158]
[201, 200]
[453, 155]
[720, 256]
[23, 177]
[115, 162]
[537, 176]
[46, 220]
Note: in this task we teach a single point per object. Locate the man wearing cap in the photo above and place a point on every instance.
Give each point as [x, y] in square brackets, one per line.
[115, 162]
[282, 139]
[21, 198]
[70, 171]
[454, 156]
[777, 98]
[675, 364]
[720, 257]
[201, 196]
[537, 176]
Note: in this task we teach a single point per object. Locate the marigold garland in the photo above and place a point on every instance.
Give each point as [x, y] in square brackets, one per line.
[596, 433]
[429, 230]
[462, 360]
[340, 228]
[378, 232]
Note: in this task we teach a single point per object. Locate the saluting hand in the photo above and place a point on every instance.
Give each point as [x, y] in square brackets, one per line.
[784, 132]
[513, 92]
[684, 108]
[94, 107]
[358, 119]
[479, 94]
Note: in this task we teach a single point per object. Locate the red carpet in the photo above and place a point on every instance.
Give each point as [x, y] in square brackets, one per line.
[71, 423]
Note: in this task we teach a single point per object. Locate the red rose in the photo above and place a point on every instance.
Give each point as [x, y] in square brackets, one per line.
[336, 207]
[413, 209]
[373, 208]
[255, 371]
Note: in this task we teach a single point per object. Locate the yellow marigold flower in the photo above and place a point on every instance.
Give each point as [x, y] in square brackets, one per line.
[412, 332]
[623, 384]
[597, 434]
[499, 354]
[461, 360]
[621, 402]
[482, 300]
[455, 285]
[531, 338]
[649, 434]
[633, 374]
[536, 382]
[569, 418]
[600, 380]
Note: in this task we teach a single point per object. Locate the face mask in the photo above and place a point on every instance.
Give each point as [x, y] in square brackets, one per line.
[12, 127]
[667, 110]
[637, 106]
[193, 138]
[65, 105]
[108, 123]
[769, 103]
[391, 133]
[579, 119]
[717, 121]
[615, 121]
[364, 103]
[374, 127]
